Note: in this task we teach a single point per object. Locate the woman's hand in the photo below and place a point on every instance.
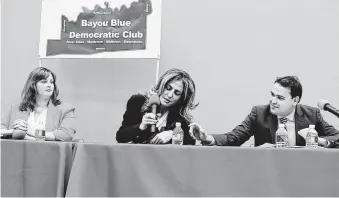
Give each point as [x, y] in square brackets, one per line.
[147, 119]
[20, 125]
[23, 126]
[162, 138]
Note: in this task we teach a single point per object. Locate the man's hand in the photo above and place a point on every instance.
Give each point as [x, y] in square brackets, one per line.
[321, 141]
[162, 137]
[197, 132]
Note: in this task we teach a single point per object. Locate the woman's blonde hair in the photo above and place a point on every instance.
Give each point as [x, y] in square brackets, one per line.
[186, 101]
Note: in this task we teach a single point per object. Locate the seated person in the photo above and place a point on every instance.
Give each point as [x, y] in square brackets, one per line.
[39, 108]
[176, 91]
[284, 108]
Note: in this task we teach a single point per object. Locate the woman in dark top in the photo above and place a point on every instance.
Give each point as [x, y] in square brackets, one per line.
[176, 91]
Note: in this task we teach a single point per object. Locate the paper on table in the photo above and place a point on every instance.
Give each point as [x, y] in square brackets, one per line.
[267, 145]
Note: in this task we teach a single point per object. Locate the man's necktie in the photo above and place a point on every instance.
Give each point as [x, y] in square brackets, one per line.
[290, 130]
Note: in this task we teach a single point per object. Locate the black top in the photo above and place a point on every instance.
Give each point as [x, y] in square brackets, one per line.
[130, 132]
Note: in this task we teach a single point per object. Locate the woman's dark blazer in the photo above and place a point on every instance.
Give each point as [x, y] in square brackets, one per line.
[130, 132]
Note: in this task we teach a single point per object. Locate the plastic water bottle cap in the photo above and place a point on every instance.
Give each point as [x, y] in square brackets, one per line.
[281, 126]
[178, 124]
[312, 126]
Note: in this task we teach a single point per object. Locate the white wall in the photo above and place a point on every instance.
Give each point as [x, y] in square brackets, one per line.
[19, 45]
[234, 50]
[99, 90]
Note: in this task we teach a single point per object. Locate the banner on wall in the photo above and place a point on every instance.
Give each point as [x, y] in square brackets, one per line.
[100, 29]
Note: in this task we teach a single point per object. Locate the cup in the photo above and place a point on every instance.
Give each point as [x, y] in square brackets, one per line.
[40, 134]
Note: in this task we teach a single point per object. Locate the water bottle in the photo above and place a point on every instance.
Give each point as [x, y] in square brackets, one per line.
[281, 137]
[40, 132]
[311, 137]
[178, 134]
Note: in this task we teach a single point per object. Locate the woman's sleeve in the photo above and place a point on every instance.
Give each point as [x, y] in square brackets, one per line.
[129, 129]
[66, 128]
[188, 140]
[6, 117]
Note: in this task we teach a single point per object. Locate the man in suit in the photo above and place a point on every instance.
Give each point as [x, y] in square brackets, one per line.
[263, 121]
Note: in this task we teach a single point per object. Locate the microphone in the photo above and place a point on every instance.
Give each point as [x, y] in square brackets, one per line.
[326, 106]
[18, 135]
[154, 101]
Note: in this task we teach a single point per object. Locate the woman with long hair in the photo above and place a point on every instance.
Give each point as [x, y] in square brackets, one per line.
[176, 91]
[39, 109]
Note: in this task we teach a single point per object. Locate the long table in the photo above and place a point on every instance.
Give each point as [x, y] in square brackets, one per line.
[35, 168]
[106, 170]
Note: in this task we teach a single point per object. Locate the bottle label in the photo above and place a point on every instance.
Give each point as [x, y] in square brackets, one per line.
[178, 135]
[40, 134]
[281, 141]
[280, 138]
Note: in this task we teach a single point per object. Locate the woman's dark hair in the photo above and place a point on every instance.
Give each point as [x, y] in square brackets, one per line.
[30, 92]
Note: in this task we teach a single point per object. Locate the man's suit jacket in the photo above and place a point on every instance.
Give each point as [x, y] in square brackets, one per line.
[60, 119]
[263, 125]
[130, 132]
